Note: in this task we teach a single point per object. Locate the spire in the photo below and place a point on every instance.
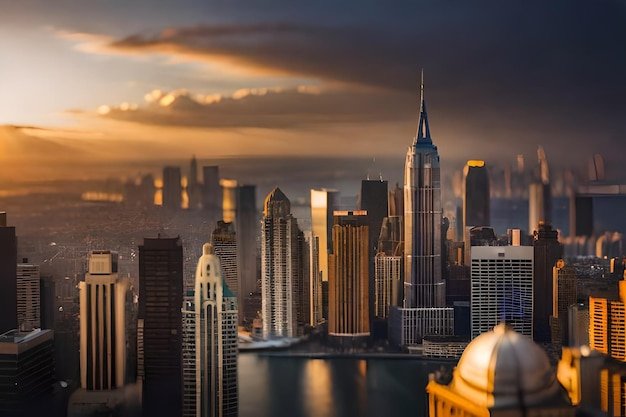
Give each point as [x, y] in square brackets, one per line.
[423, 130]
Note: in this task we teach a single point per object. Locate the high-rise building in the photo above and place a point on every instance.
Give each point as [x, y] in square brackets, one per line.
[323, 203]
[247, 222]
[502, 288]
[315, 290]
[396, 201]
[303, 282]
[547, 250]
[423, 284]
[8, 272]
[26, 373]
[215, 309]
[172, 188]
[373, 200]
[540, 195]
[348, 281]
[607, 323]
[388, 287]
[564, 291]
[281, 268]
[229, 199]
[194, 190]
[102, 324]
[212, 191]
[501, 373]
[224, 240]
[28, 296]
[190, 393]
[476, 200]
[160, 325]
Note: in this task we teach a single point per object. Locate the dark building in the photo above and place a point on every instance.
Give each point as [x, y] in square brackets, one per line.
[26, 373]
[396, 201]
[476, 201]
[547, 250]
[172, 188]
[194, 191]
[373, 199]
[247, 225]
[160, 323]
[212, 191]
[8, 276]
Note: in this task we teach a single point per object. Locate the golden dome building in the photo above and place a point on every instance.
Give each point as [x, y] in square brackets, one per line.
[501, 373]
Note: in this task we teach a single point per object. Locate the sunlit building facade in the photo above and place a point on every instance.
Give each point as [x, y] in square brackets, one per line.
[281, 268]
[607, 324]
[102, 324]
[348, 315]
[215, 309]
[501, 288]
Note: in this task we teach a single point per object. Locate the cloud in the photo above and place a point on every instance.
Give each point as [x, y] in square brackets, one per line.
[264, 107]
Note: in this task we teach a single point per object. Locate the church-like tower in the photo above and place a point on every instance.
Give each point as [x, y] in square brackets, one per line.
[423, 283]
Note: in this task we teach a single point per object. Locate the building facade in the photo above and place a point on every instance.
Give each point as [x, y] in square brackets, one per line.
[565, 295]
[476, 195]
[501, 288]
[8, 272]
[348, 282]
[215, 309]
[247, 226]
[225, 242]
[160, 325]
[28, 296]
[102, 324]
[172, 194]
[547, 251]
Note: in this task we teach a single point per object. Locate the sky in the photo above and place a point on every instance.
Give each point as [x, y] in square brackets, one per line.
[113, 80]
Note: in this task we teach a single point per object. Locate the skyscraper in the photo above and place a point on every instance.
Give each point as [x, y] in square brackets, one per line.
[547, 250]
[160, 323]
[348, 282]
[476, 200]
[423, 284]
[388, 274]
[224, 240]
[501, 288]
[540, 195]
[281, 269]
[194, 191]
[102, 324]
[8, 272]
[565, 295]
[172, 188]
[247, 225]
[323, 203]
[607, 323]
[423, 312]
[28, 296]
[216, 340]
[212, 191]
[229, 199]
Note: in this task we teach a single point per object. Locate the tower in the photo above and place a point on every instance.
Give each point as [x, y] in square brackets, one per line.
[476, 201]
[216, 340]
[547, 251]
[102, 324]
[224, 240]
[281, 268]
[160, 323]
[194, 192]
[28, 296]
[212, 191]
[423, 283]
[172, 188]
[564, 293]
[348, 282]
[247, 222]
[539, 194]
[8, 272]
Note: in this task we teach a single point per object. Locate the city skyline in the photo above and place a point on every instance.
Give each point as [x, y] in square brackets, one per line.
[260, 81]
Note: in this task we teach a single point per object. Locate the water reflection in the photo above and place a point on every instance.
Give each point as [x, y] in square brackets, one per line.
[317, 386]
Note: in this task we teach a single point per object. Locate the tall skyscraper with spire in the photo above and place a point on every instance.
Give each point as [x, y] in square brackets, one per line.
[423, 310]
[423, 284]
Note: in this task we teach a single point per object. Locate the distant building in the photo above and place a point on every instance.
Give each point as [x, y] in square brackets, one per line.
[247, 226]
[502, 288]
[323, 203]
[26, 373]
[28, 296]
[348, 315]
[540, 195]
[102, 324]
[547, 250]
[8, 272]
[172, 188]
[212, 191]
[194, 189]
[282, 269]
[216, 340]
[476, 195]
[564, 290]
[501, 373]
[160, 325]
[578, 324]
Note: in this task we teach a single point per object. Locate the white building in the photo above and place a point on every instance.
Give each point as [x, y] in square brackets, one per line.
[102, 324]
[388, 275]
[501, 288]
[215, 307]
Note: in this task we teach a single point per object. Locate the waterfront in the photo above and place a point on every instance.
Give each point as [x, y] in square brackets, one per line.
[272, 385]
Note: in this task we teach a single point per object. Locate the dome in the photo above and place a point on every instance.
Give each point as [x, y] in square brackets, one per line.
[502, 369]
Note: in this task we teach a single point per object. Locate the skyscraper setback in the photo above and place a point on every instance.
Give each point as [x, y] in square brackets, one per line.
[160, 323]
